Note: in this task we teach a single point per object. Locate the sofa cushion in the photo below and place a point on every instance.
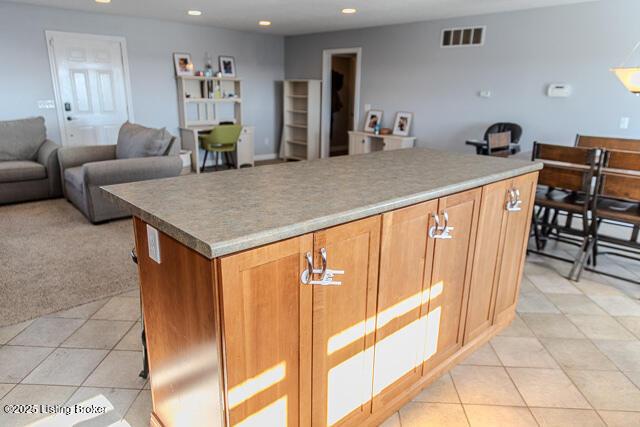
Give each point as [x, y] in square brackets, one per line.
[139, 141]
[21, 139]
[74, 177]
[21, 170]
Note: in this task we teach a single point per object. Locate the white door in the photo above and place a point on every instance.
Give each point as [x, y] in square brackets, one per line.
[91, 85]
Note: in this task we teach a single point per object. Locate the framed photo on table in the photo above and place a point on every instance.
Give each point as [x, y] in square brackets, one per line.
[402, 125]
[374, 117]
[184, 66]
[227, 66]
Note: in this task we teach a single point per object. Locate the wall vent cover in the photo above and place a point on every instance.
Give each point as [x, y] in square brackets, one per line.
[468, 36]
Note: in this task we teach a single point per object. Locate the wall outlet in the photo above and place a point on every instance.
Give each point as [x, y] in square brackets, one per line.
[267, 141]
[624, 122]
[484, 94]
[153, 242]
[46, 104]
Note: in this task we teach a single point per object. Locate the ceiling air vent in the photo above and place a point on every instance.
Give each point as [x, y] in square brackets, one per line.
[456, 37]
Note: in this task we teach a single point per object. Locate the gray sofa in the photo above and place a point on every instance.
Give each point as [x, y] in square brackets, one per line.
[141, 154]
[28, 162]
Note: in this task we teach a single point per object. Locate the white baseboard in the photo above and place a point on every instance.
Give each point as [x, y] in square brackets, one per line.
[269, 156]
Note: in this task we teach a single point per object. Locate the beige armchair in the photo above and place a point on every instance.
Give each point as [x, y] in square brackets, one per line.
[28, 162]
[85, 169]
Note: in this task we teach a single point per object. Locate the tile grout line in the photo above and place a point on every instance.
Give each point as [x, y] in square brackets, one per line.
[513, 382]
[53, 349]
[127, 333]
[464, 410]
[564, 371]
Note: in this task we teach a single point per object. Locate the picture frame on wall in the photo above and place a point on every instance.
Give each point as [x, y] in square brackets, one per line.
[227, 66]
[402, 124]
[374, 117]
[183, 64]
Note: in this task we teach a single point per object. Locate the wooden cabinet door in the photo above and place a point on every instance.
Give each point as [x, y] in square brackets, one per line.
[266, 316]
[489, 241]
[344, 324]
[451, 273]
[400, 331]
[515, 247]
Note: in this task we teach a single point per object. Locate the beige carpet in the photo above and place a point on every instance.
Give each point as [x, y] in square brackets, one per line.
[52, 258]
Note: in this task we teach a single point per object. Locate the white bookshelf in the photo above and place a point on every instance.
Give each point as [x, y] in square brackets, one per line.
[200, 111]
[201, 107]
[301, 121]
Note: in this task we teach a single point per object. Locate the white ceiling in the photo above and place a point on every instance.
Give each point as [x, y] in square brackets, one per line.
[299, 16]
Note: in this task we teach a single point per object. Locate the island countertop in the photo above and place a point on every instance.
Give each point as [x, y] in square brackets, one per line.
[225, 212]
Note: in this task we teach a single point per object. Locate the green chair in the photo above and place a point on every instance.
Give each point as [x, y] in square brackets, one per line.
[221, 140]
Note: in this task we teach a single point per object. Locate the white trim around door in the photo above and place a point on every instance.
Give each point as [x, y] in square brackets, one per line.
[327, 54]
[50, 37]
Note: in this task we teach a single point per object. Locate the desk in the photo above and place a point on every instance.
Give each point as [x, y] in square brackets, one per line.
[481, 146]
[366, 142]
[244, 148]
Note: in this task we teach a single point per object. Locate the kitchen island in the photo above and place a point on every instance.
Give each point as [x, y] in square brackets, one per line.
[327, 292]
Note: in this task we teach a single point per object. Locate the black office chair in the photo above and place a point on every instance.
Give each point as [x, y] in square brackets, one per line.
[515, 129]
[516, 134]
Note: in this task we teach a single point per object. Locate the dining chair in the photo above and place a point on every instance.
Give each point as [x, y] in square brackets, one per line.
[618, 203]
[607, 143]
[565, 187]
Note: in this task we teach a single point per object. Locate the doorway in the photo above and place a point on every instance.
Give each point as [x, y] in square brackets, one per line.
[340, 99]
[90, 76]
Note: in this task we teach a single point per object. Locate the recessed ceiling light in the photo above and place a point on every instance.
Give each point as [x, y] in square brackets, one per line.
[264, 23]
[349, 10]
[194, 12]
[103, 1]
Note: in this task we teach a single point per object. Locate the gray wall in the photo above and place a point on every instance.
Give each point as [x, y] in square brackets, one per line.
[404, 69]
[25, 75]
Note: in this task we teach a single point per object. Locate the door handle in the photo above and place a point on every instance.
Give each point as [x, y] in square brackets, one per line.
[69, 118]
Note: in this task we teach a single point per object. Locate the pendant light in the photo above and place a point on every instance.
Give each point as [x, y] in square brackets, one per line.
[629, 76]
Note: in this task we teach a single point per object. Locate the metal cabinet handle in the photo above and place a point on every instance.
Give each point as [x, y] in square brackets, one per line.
[514, 203]
[323, 256]
[326, 274]
[441, 232]
[305, 278]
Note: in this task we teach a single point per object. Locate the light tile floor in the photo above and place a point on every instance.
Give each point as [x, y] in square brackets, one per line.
[570, 358]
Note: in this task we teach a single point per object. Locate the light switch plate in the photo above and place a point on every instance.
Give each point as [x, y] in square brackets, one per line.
[153, 242]
[624, 122]
[46, 104]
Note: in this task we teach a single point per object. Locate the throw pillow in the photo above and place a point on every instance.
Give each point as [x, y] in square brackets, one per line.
[139, 141]
[21, 139]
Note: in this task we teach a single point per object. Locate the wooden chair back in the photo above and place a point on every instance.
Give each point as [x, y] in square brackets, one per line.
[607, 143]
[620, 176]
[499, 143]
[567, 168]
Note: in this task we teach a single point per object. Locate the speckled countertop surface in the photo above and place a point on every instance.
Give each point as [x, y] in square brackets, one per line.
[224, 212]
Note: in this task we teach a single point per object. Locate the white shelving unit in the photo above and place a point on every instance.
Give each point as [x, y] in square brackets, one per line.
[301, 121]
[200, 105]
[204, 103]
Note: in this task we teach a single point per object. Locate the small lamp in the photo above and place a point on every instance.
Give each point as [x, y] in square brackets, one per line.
[629, 76]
